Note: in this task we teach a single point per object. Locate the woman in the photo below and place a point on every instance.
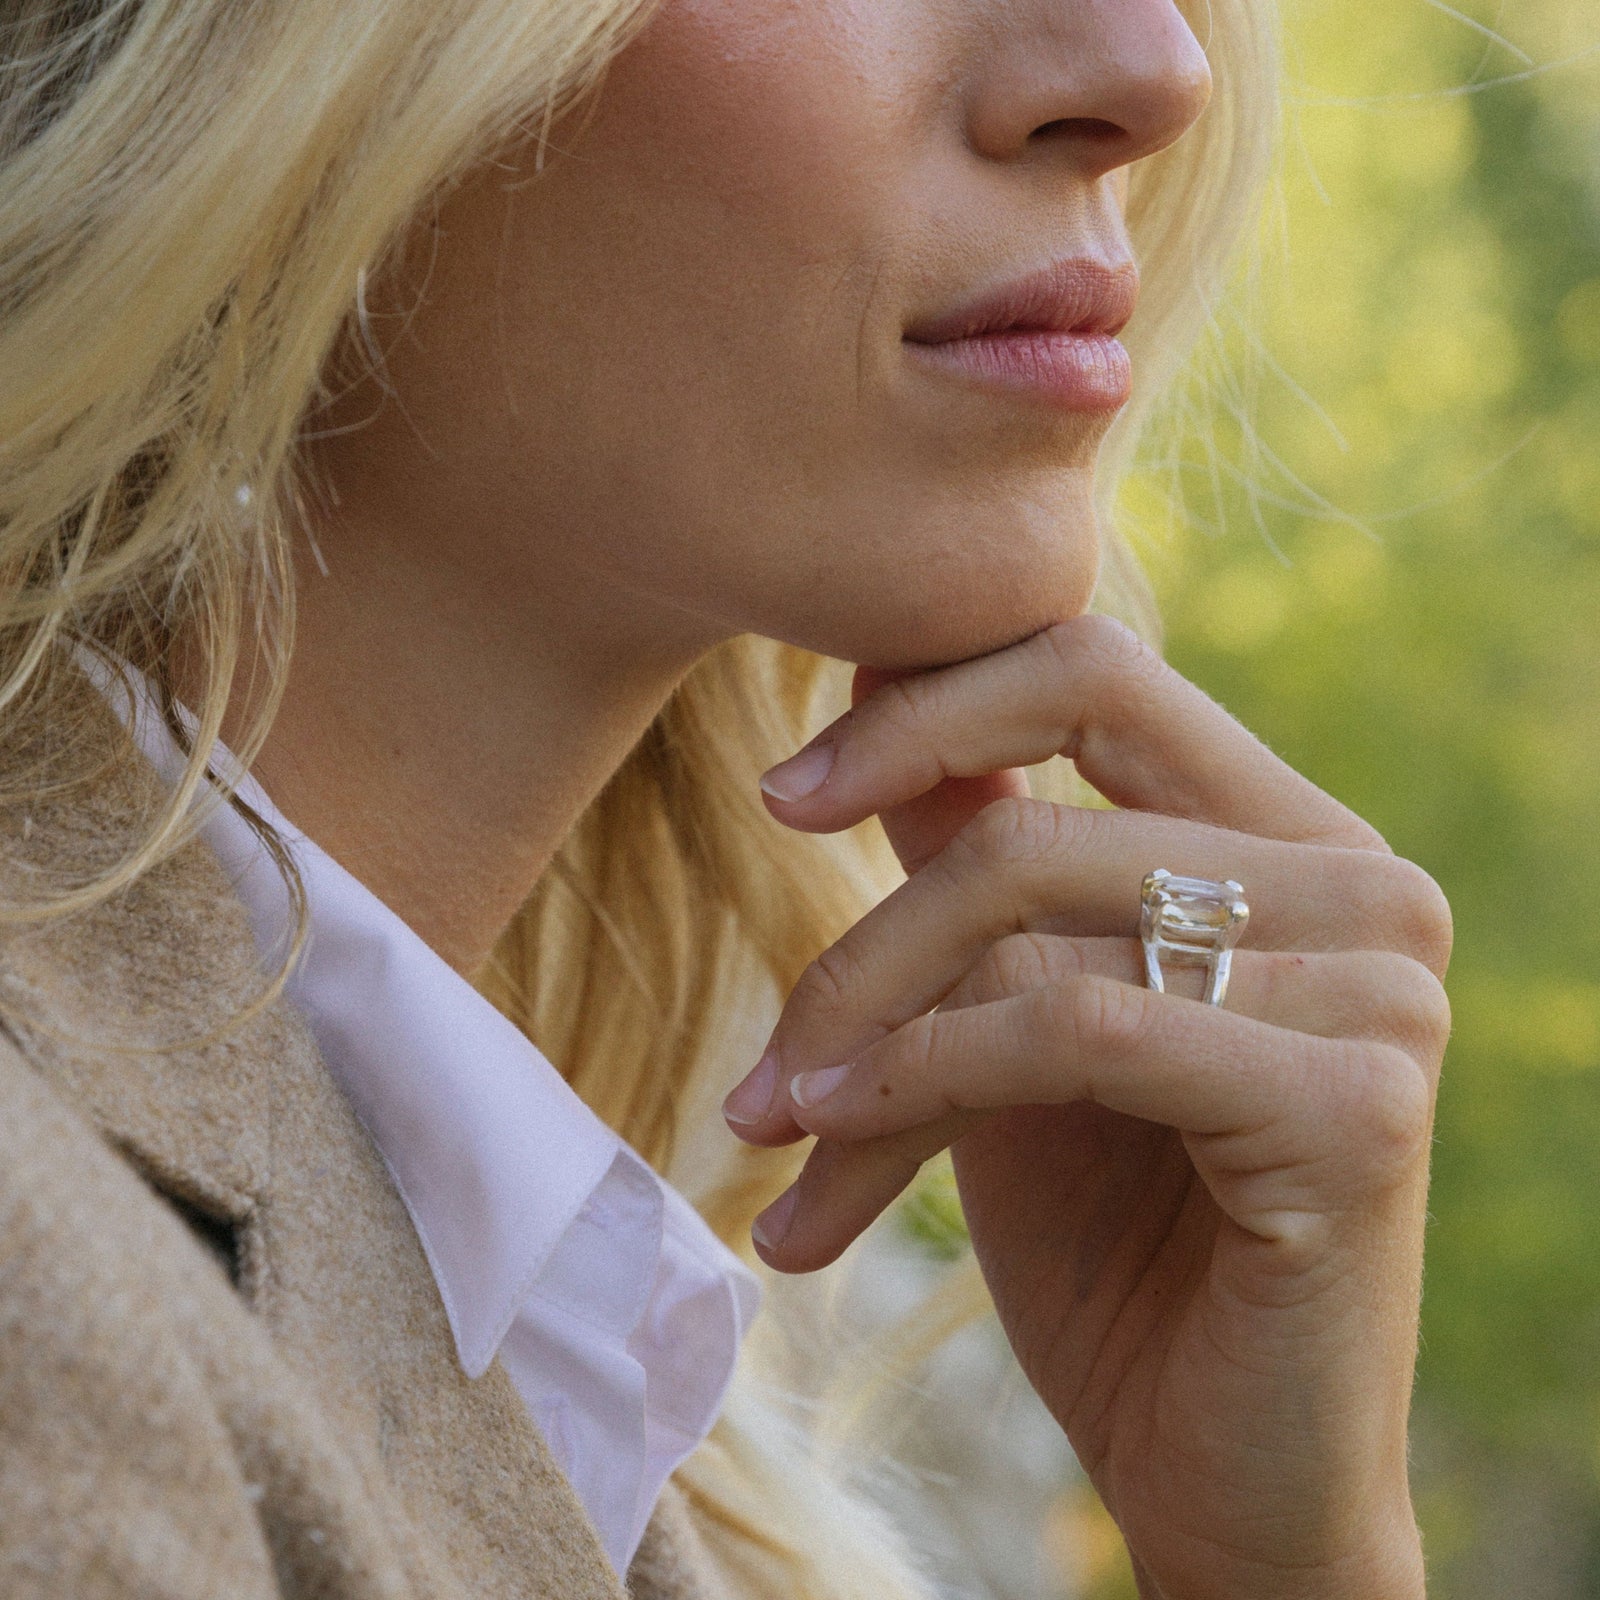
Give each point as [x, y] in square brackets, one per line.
[564, 379]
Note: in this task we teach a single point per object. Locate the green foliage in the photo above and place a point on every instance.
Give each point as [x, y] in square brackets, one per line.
[1405, 605]
[1393, 575]
[930, 1215]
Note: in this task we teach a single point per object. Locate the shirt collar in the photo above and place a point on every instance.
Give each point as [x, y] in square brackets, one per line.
[492, 1151]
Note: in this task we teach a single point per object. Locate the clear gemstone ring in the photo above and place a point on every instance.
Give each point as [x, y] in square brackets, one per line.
[1191, 922]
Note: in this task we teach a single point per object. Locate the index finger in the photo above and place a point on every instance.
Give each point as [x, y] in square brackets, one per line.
[1088, 689]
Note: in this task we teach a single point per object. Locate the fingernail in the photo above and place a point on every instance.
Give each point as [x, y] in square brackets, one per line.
[750, 1100]
[800, 775]
[811, 1087]
[772, 1226]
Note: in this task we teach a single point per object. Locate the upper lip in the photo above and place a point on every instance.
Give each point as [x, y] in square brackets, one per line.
[1078, 295]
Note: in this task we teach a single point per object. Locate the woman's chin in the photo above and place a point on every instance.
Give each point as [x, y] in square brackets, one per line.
[921, 583]
[1013, 574]
[988, 613]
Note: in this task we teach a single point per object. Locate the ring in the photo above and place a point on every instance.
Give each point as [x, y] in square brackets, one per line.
[1195, 923]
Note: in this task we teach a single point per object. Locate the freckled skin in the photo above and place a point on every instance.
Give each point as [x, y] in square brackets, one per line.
[654, 394]
[673, 361]
[1201, 1224]
[657, 396]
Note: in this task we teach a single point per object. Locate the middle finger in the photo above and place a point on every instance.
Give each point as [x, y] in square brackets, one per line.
[1028, 866]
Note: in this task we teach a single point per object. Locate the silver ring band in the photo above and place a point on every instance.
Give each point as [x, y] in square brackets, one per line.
[1191, 922]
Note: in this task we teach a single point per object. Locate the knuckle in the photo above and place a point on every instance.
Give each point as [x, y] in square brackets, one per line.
[1102, 1015]
[1106, 649]
[1012, 829]
[1114, 670]
[1351, 832]
[1389, 1110]
[1024, 961]
[830, 984]
[1015, 965]
[1363, 836]
[1422, 914]
[1417, 1006]
[903, 705]
[1101, 641]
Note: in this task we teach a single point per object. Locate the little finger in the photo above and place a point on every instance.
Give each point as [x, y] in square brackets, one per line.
[1356, 994]
[1274, 1099]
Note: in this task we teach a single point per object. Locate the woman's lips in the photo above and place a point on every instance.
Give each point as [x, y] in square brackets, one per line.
[1075, 371]
[1051, 335]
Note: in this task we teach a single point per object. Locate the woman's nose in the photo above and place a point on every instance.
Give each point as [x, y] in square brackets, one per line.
[1114, 79]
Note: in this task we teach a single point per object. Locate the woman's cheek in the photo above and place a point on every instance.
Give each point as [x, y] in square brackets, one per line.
[785, 116]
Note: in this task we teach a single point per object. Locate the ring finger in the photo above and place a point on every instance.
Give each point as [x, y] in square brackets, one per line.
[1338, 994]
[847, 1183]
[1033, 867]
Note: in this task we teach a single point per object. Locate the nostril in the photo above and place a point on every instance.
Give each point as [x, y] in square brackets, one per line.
[1096, 130]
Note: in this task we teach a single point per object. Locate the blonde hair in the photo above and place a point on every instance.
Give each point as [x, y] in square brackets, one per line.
[190, 201]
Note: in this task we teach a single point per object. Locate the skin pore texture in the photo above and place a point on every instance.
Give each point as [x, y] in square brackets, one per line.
[658, 395]
[661, 393]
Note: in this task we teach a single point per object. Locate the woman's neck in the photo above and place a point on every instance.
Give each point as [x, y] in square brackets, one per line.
[439, 736]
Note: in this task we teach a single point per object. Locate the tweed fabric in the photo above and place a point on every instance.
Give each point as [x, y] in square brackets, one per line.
[302, 1429]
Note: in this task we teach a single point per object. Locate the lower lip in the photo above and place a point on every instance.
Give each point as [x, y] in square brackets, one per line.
[1071, 371]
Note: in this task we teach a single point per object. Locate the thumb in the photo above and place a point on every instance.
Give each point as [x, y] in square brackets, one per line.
[919, 829]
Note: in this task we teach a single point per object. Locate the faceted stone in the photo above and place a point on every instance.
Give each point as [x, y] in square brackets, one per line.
[1193, 912]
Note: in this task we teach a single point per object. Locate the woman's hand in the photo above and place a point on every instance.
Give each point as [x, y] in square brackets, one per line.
[1202, 1227]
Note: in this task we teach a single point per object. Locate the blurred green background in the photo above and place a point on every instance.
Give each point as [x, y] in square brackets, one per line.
[1400, 591]
[1395, 580]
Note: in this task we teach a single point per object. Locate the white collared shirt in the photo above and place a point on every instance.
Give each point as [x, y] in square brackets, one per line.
[615, 1310]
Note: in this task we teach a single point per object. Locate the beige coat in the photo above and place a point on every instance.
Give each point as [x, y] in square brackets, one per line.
[225, 1371]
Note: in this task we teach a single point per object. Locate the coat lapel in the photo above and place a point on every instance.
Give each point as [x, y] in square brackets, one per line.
[126, 1008]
